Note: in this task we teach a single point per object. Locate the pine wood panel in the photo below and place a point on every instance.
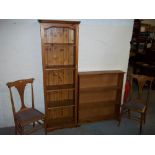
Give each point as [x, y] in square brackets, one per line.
[60, 113]
[100, 112]
[98, 80]
[96, 96]
[58, 35]
[59, 55]
[58, 95]
[59, 116]
[60, 77]
[60, 123]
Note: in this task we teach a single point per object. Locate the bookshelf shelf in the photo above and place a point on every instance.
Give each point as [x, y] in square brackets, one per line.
[57, 67]
[59, 87]
[60, 104]
[60, 44]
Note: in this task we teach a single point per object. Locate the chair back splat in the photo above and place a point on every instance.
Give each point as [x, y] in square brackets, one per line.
[20, 86]
[25, 116]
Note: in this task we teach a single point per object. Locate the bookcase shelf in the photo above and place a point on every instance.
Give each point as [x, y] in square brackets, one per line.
[99, 88]
[60, 58]
[57, 67]
[60, 44]
[59, 87]
[97, 103]
[60, 104]
[60, 67]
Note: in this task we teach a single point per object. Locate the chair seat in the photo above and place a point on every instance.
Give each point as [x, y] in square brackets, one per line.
[135, 106]
[28, 116]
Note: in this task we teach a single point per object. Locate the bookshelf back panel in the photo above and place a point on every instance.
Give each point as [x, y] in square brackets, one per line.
[58, 35]
[59, 55]
[60, 77]
[59, 113]
[97, 96]
[92, 105]
[103, 80]
[96, 112]
[60, 95]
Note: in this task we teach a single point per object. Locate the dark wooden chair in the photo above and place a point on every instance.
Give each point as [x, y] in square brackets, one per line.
[138, 102]
[25, 117]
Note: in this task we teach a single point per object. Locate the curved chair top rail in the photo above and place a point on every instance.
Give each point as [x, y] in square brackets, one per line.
[20, 82]
[142, 77]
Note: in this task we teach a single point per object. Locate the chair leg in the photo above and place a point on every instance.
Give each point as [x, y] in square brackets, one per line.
[119, 118]
[18, 129]
[144, 118]
[15, 128]
[129, 114]
[119, 122]
[45, 130]
[122, 111]
[141, 123]
[33, 124]
[22, 131]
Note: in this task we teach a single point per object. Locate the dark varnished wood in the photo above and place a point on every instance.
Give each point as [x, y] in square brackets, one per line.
[59, 59]
[138, 103]
[99, 95]
[100, 72]
[59, 21]
[25, 116]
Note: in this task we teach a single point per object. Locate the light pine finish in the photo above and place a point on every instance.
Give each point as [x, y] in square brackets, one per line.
[60, 64]
[99, 95]
[25, 116]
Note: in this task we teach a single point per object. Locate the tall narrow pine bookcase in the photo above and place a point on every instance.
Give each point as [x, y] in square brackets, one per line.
[60, 72]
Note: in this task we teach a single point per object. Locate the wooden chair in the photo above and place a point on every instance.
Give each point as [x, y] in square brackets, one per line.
[138, 102]
[25, 116]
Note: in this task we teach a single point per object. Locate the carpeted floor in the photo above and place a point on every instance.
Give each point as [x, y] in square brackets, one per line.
[108, 127]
